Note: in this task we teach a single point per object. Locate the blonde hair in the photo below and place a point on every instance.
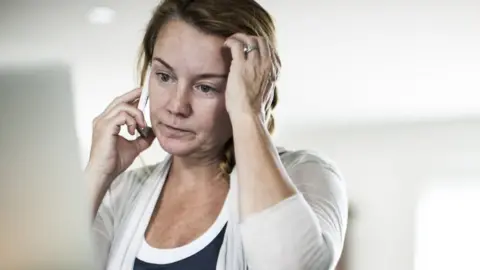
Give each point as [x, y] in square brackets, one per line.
[217, 17]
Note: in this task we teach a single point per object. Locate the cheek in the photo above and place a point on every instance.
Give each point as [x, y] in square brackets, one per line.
[158, 97]
[212, 117]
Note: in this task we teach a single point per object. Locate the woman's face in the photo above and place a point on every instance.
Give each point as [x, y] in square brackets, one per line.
[187, 85]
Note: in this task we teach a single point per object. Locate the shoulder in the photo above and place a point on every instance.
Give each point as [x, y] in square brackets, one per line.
[134, 177]
[312, 173]
[127, 186]
[298, 159]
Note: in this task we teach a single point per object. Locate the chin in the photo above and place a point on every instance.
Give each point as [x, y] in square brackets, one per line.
[177, 147]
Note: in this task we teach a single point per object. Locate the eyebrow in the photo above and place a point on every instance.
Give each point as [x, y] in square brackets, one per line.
[201, 76]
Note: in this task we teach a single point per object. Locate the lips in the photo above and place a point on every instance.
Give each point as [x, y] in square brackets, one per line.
[175, 128]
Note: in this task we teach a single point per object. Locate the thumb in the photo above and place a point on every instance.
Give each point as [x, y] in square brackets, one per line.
[142, 143]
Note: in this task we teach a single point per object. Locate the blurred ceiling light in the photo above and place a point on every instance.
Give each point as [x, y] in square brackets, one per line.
[101, 15]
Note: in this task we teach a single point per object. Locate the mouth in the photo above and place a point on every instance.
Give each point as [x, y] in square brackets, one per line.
[175, 128]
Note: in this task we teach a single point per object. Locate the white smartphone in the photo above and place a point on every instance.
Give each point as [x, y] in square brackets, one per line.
[142, 105]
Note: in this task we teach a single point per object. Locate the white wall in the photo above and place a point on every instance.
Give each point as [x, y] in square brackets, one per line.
[388, 168]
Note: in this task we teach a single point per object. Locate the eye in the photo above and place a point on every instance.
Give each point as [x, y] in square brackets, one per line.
[164, 76]
[205, 88]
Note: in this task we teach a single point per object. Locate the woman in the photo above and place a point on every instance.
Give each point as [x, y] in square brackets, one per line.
[225, 197]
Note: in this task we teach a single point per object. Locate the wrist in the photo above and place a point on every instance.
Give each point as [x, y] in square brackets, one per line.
[246, 113]
[247, 125]
[96, 180]
[245, 118]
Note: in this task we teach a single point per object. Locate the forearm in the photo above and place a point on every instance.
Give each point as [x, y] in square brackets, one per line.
[97, 188]
[263, 181]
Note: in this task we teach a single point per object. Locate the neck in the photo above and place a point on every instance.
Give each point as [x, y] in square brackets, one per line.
[189, 171]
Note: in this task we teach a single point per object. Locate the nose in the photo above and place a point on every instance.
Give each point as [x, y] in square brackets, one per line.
[179, 104]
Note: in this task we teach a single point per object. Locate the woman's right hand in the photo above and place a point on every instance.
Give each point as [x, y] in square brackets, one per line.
[110, 153]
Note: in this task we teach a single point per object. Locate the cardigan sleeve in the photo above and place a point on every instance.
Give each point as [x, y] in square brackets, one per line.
[112, 210]
[102, 231]
[305, 231]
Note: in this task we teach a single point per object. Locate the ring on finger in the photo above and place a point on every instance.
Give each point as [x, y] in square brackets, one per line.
[249, 47]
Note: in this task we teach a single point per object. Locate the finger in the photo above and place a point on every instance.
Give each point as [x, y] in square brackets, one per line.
[236, 48]
[128, 97]
[249, 41]
[135, 102]
[131, 110]
[272, 61]
[122, 118]
[264, 49]
[142, 143]
[268, 61]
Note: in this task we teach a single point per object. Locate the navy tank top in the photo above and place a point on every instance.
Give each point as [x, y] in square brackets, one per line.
[205, 259]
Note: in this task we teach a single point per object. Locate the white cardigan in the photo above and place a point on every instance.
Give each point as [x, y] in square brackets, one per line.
[305, 231]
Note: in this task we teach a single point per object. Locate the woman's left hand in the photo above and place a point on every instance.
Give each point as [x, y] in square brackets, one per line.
[252, 75]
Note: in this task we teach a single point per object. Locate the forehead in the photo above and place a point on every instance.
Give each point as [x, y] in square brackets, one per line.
[186, 48]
